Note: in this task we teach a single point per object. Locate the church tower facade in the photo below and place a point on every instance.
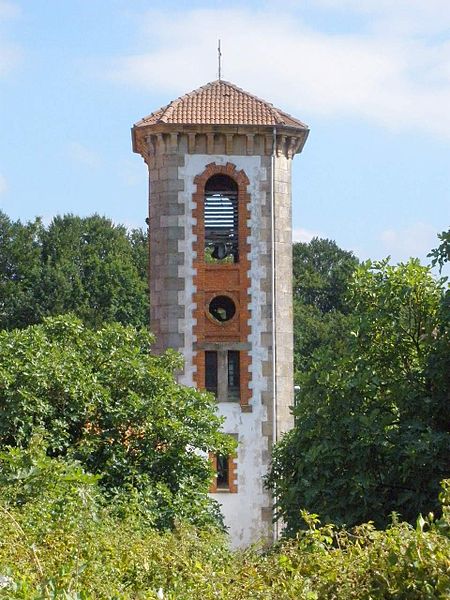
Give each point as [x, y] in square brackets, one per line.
[219, 163]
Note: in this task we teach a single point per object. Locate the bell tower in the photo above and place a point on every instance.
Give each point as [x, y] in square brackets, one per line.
[219, 163]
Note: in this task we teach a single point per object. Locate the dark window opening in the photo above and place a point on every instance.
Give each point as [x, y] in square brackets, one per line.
[211, 372]
[221, 220]
[223, 472]
[233, 375]
[222, 308]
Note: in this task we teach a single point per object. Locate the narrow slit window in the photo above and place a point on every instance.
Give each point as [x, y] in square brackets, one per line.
[234, 388]
[223, 472]
[211, 372]
[221, 220]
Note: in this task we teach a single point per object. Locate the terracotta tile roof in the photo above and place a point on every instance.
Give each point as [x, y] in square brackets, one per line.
[220, 103]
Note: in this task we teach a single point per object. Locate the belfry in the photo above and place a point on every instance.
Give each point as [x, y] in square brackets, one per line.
[219, 163]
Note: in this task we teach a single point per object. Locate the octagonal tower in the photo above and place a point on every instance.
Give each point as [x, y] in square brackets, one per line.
[219, 163]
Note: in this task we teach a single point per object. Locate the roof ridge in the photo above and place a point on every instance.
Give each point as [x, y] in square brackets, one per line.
[277, 111]
[170, 108]
[273, 109]
[155, 113]
[239, 89]
[210, 103]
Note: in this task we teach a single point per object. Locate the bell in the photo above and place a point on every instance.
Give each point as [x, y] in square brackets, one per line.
[219, 252]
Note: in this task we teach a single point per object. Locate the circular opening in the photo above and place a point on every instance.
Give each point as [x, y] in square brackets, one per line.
[222, 309]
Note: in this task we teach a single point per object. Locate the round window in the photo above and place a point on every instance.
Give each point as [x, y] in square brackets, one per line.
[222, 309]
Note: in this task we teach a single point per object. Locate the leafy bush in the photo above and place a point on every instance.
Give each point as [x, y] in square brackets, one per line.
[59, 539]
[372, 417]
[105, 401]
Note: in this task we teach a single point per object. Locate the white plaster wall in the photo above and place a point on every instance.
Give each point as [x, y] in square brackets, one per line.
[242, 511]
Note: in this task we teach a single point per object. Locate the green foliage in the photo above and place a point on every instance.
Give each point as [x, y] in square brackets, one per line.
[104, 400]
[58, 539]
[372, 418]
[441, 254]
[439, 360]
[314, 330]
[20, 271]
[321, 275]
[30, 475]
[322, 272]
[87, 266]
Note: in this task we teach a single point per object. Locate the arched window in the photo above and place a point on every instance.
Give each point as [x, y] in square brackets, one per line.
[221, 219]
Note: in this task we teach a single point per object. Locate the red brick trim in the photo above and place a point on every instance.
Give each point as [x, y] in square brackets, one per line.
[232, 472]
[210, 281]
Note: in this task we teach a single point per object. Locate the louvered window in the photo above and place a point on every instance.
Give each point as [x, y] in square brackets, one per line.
[221, 220]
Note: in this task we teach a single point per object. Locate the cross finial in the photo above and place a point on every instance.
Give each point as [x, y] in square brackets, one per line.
[219, 58]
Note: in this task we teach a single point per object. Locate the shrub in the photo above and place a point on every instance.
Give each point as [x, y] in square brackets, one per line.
[372, 416]
[59, 539]
[105, 401]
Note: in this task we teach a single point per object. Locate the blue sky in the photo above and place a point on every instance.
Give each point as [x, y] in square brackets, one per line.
[370, 77]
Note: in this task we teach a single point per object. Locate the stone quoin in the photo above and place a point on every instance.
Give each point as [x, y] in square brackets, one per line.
[219, 161]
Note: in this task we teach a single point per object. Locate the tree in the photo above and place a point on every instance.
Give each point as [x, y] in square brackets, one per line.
[371, 434]
[439, 361]
[20, 271]
[87, 266]
[441, 254]
[105, 401]
[321, 275]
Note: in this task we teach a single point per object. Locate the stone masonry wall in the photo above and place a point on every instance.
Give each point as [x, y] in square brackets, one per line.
[283, 291]
[166, 225]
[174, 161]
[283, 309]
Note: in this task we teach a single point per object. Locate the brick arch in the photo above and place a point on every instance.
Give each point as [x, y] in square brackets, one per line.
[217, 278]
[214, 169]
[242, 182]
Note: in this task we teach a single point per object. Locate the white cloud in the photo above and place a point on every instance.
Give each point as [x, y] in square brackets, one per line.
[399, 81]
[304, 235]
[8, 10]
[401, 16]
[81, 154]
[3, 184]
[414, 240]
[10, 54]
